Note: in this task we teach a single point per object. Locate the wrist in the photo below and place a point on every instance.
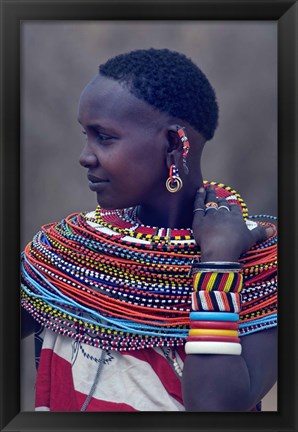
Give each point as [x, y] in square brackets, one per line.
[219, 253]
[216, 258]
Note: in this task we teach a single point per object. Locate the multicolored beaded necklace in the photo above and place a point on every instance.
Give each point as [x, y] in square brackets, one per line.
[105, 279]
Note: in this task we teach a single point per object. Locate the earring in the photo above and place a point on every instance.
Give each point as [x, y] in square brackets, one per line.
[186, 147]
[174, 182]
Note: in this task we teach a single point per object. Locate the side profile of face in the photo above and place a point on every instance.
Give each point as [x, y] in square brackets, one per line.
[126, 145]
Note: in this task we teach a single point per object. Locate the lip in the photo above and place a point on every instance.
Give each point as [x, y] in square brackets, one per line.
[94, 179]
[96, 183]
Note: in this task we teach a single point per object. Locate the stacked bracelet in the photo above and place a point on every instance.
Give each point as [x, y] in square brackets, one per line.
[225, 325]
[206, 338]
[213, 348]
[215, 301]
[227, 281]
[215, 266]
[213, 332]
[214, 316]
[216, 304]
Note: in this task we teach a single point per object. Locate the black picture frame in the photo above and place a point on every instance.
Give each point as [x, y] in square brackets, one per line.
[12, 14]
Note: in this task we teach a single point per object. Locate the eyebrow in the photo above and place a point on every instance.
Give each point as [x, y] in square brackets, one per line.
[106, 129]
[92, 125]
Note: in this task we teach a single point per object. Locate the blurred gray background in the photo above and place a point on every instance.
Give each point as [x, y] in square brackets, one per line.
[59, 58]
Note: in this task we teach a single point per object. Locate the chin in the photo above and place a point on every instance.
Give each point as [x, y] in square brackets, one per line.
[113, 204]
[107, 204]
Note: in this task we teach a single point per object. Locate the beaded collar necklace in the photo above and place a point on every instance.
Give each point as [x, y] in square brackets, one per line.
[125, 221]
[105, 279]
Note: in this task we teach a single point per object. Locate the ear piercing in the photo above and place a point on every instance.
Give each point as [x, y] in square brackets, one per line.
[186, 147]
[174, 182]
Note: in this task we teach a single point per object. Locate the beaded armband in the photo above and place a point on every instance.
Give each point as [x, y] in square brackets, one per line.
[217, 301]
[214, 281]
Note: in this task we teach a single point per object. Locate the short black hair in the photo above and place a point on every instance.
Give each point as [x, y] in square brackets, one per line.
[170, 82]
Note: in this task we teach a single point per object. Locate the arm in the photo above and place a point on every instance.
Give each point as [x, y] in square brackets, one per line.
[231, 383]
[228, 382]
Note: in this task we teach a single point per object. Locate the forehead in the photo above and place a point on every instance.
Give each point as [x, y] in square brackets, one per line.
[107, 100]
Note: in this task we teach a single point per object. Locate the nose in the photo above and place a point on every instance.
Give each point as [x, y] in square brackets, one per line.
[87, 158]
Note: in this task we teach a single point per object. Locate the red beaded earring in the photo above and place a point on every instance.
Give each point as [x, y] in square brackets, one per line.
[186, 147]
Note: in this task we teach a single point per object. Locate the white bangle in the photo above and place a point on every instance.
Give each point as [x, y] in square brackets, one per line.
[213, 348]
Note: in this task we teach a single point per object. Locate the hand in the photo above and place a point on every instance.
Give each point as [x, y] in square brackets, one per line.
[222, 233]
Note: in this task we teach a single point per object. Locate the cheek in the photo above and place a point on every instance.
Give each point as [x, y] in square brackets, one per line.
[147, 155]
[146, 167]
[136, 162]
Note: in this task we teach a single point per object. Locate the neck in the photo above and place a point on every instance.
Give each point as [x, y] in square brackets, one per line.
[172, 211]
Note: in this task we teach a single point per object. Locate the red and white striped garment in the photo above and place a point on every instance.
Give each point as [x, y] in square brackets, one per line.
[141, 380]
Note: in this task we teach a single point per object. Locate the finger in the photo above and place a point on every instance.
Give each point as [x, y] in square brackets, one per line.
[199, 204]
[259, 234]
[235, 208]
[210, 195]
[223, 205]
[223, 201]
[269, 232]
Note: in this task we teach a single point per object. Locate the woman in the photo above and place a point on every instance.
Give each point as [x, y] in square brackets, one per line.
[138, 312]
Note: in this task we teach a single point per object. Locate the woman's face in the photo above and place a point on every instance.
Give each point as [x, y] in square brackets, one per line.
[126, 145]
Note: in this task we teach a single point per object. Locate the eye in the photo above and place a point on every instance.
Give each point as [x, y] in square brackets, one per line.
[100, 137]
[103, 137]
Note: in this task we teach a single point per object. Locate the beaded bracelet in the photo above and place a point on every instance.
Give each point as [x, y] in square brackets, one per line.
[213, 348]
[215, 301]
[214, 281]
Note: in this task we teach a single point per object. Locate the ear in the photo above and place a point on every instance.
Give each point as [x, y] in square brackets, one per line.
[175, 146]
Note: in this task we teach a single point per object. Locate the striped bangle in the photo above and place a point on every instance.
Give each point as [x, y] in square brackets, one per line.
[213, 332]
[213, 348]
[214, 316]
[216, 301]
[214, 281]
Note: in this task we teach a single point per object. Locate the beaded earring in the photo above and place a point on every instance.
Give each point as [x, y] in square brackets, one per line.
[186, 147]
[174, 182]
